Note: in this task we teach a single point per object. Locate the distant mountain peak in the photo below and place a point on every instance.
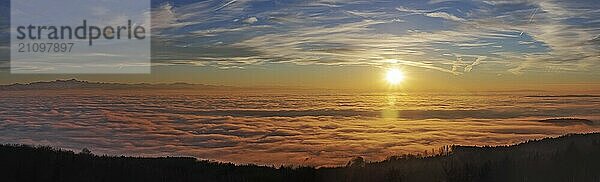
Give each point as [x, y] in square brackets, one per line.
[73, 80]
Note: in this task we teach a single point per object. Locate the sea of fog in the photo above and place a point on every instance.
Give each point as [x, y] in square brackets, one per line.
[291, 128]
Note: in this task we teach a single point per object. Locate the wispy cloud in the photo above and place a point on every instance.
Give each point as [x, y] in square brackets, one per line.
[316, 34]
[516, 36]
[444, 15]
[477, 61]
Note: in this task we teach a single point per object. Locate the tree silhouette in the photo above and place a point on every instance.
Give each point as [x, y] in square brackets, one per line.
[567, 158]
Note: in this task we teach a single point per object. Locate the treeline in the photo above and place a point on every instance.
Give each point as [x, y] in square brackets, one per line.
[570, 158]
[567, 158]
[22, 163]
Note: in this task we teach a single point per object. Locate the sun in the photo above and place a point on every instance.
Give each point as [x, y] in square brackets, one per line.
[394, 76]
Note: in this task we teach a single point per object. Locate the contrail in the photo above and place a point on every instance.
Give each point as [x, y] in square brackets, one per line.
[533, 14]
[225, 5]
[531, 18]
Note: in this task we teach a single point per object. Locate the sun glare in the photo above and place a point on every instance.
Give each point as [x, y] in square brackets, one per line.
[394, 76]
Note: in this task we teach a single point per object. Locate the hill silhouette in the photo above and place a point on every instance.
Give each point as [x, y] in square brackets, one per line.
[574, 157]
[78, 84]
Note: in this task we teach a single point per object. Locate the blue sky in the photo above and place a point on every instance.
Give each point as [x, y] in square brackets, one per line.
[512, 36]
[451, 37]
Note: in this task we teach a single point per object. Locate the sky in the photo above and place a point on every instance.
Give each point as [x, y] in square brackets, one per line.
[439, 44]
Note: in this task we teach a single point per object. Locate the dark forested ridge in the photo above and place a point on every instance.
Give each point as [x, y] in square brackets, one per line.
[567, 158]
